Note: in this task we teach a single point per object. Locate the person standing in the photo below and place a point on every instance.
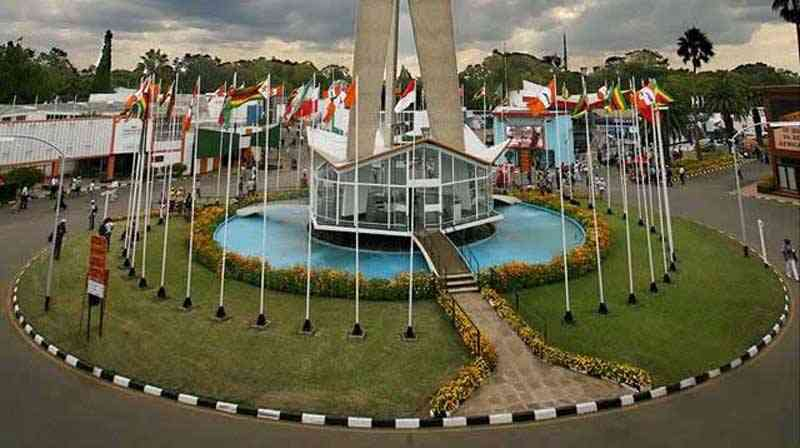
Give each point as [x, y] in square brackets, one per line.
[24, 196]
[682, 174]
[790, 259]
[105, 230]
[91, 189]
[61, 231]
[53, 187]
[92, 214]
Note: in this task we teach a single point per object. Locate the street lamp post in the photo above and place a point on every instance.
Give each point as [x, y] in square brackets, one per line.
[62, 158]
[732, 142]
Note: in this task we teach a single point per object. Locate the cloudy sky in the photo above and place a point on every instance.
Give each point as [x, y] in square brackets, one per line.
[321, 30]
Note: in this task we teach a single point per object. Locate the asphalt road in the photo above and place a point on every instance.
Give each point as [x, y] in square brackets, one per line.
[44, 404]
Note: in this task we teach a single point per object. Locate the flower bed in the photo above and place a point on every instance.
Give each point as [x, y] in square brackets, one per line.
[619, 373]
[456, 391]
[582, 259]
[324, 282]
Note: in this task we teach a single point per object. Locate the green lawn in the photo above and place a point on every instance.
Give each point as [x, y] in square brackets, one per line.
[718, 305]
[153, 341]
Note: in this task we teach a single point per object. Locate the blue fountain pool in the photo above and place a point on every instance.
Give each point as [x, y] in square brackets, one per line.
[530, 234]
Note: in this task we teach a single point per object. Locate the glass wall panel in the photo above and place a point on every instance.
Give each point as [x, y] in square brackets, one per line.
[447, 204]
[464, 201]
[483, 198]
[464, 170]
[376, 213]
[346, 204]
[399, 171]
[447, 168]
[399, 209]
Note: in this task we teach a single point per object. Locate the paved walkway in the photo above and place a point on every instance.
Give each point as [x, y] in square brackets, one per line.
[522, 381]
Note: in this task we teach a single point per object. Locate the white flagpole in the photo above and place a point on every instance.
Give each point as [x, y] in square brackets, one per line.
[261, 321]
[672, 256]
[411, 175]
[484, 109]
[162, 291]
[656, 157]
[622, 157]
[608, 162]
[143, 155]
[308, 327]
[126, 233]
[648, 188]
[134, 214]
[221, 309]
[222, 135]
[148, 197]
[640, 168]
[603, 309]
[187, 302]
[568, 317]
[357, 330]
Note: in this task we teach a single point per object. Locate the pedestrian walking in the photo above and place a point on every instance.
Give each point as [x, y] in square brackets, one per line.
[790, 259]
[682, 174]
[24, 196]
[91, 189]
[61, 231]
[62, 203]
[92, 214]
[105, 230]
[53, 187]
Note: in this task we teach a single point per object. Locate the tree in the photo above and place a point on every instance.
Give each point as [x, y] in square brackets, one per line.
[102, 75]
[790, 12]
[155, 62]
[730, 97]
[695, 46]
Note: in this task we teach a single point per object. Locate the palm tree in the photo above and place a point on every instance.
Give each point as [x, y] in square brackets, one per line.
[155, 61]
[694, 46]
[790, 11]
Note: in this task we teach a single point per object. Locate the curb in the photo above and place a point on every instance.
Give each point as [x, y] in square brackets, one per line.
[311, 419]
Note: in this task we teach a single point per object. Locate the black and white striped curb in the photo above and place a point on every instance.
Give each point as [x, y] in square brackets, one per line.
[312, 419]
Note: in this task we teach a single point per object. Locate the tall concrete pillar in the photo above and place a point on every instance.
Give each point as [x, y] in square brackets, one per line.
[436, 49]
[373, 24]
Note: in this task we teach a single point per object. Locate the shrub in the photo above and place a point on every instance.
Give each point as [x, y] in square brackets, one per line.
[767, 185]
[178, 169]
[24, 177]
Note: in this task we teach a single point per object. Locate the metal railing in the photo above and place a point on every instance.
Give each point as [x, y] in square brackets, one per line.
[453, 308]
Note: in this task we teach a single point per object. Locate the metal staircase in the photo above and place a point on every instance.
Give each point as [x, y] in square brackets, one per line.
[448, 262]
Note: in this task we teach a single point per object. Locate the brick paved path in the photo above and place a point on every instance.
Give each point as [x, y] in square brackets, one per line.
[523, 381]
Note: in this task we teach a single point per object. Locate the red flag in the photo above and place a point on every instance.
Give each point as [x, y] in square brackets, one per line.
[350, 100]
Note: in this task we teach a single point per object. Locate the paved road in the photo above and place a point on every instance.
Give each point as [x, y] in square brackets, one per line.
[46, 405]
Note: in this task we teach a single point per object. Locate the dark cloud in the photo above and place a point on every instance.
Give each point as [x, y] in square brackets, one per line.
[327, 25]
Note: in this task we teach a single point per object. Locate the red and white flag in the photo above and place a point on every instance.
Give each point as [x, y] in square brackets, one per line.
[408, 98]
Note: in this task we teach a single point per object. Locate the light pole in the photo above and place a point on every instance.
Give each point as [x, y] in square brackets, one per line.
[732, 142]
[62, 158]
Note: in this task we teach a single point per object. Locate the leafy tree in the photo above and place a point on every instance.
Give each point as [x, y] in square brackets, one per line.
[790, 12]
[730, 97]
[102, 76]
[155, 62]
[695, 46]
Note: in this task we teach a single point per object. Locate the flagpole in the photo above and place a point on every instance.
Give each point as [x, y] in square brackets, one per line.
[262, 321]
[140, 176]
[667, 278]
[221, 309]
[134, 229]
[187, 302]
[485, 123]
[568, 317]
[126, 233]
[648, 189]
[222, 135]
[357, 330]
[609, 211]
[148, 197]
[672, 256]
[411, 175]
[162, 291]
[308, 327]
[603, 309]
[640, 167]
[622, 157]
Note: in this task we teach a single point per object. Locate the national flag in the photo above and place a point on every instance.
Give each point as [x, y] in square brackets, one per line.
[581, 108]
[350, 99]
[330, 112]
[222, 90]
[662, 97]
[239, 97]
[645, 102]
[409, 97]
[618, 102]
[540, 98]
[187, 119]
